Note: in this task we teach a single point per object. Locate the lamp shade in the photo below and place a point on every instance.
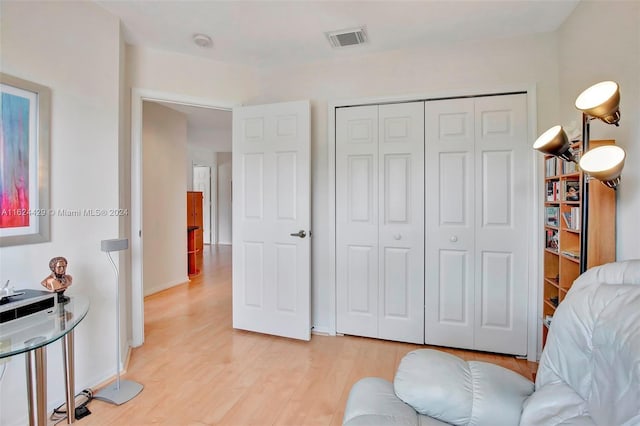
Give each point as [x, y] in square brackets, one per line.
[555, 142]
[604, 163]
[602, 101]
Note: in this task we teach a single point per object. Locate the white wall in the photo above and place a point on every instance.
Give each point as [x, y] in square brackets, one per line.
[224, 198]
[217, 140]
[174, 74]
[74, 49]
[601, 41]
[432, 70]
[164, 148]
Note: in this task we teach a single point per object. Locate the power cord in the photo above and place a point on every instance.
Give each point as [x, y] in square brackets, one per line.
[81, 402]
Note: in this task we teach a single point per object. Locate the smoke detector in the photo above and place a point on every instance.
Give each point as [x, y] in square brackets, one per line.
[348, 37]
[202, 40]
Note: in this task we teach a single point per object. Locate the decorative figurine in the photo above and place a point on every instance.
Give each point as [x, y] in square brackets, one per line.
[58, 281]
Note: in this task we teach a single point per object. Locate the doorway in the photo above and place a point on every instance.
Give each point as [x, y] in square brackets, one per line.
[139, 96]
[202, 181]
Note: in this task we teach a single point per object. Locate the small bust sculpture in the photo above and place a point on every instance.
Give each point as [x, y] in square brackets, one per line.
[58, 281]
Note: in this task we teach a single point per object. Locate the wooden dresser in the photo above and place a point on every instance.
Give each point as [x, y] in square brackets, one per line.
[194, 230]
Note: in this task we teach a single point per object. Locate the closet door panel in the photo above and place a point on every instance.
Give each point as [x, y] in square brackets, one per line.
[357, 221]
[503, 223]
[401, 228]
[452, 288]
[449, 257]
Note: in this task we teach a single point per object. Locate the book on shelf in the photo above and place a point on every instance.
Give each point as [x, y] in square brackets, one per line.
[568, 167]
[553, 190]
[547, 320]
[571, 190]
[553, 216]
[552, 239]
[574, 254]
[571, 219]
[551, 166]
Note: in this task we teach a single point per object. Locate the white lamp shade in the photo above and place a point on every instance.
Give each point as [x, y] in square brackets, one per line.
[602, 101]
[554, 142]
[604, 163]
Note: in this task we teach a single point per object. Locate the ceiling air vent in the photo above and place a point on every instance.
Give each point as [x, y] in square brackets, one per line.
[350, 37]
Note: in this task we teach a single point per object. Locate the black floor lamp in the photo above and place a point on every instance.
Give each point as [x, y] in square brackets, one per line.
[122, 390]
[604, 163]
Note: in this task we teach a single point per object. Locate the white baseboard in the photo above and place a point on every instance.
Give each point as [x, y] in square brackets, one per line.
[322, 331]
[161, 287]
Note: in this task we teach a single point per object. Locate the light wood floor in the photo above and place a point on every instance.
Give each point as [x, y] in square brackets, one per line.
[197, 370]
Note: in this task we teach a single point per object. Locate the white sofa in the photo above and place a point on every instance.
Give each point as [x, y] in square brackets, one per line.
[589, 372]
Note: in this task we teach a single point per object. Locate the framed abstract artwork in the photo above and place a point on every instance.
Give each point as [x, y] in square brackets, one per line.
[24, 161]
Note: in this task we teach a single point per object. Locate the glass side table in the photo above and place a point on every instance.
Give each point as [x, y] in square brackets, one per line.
[30, 336]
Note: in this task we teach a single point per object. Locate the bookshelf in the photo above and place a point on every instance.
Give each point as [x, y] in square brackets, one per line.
[563, 231]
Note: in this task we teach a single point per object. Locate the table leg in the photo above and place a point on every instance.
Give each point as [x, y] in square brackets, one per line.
[69, 385]
[36, 363]
[30, 397]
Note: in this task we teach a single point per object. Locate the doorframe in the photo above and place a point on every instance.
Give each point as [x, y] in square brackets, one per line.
[212, 192]
[138, 96]
[534, 310]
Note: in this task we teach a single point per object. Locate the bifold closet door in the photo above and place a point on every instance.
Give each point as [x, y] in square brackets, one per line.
[401, 227]
[503, 223]
[357, 220]
[380, 221]
[450, 260]
[478, 219]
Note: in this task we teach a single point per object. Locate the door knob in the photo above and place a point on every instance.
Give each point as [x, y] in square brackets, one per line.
[300, 234]
[453, 239]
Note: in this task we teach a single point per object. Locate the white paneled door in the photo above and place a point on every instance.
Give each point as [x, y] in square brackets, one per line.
[357, 220]
[450, 201]
[202, 183]
[478, 211]
[380, 221]
[271, 219]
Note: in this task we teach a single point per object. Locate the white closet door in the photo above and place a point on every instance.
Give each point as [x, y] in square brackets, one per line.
[503, 209]
[401, 227]
[450, 260]
[357, 220]
[478, 163]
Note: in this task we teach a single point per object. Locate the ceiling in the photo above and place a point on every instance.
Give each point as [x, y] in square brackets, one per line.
[208, 128]
[269, 33]
[276, 33]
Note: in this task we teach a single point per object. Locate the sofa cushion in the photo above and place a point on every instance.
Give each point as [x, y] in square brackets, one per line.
[443, 386]
[555, 404]
[372, 401]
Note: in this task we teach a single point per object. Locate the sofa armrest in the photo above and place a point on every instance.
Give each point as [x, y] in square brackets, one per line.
[372, 401]
[443, 386]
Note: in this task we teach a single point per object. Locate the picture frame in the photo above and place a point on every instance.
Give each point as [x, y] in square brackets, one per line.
[24, 160]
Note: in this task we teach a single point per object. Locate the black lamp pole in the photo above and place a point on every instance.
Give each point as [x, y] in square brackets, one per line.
[584, 234]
